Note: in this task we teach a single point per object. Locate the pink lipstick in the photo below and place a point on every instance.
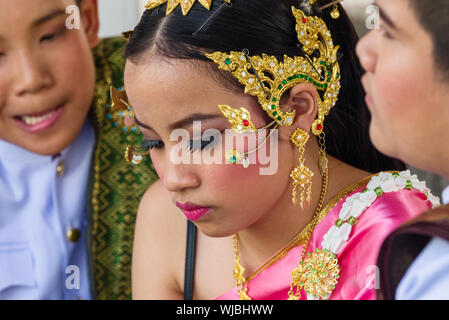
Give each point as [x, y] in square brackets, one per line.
[192, 211]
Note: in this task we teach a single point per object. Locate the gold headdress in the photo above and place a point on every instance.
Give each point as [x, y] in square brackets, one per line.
[186, 5]
[267, 79]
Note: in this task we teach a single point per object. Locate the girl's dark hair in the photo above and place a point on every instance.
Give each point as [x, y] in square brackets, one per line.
[268, 26]
[434, 17]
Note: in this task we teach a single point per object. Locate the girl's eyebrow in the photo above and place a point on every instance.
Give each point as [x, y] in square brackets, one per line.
[184, 122]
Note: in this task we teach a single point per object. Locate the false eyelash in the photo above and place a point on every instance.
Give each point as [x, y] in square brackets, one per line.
[147, 145]
[195, 145]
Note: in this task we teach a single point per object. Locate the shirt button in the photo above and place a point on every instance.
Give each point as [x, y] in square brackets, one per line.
[74, 235]
[60, 169]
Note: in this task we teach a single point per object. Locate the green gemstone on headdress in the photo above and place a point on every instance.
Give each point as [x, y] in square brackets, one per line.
[409, 185]
[279, 118]
[273, 107]
[275, 114]
[274, 99]
[280, 86]
[228, 61]
[284, 81]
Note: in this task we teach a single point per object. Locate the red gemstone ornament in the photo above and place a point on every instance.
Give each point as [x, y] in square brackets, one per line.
[304, 20]
[246, 123]
[319, 127]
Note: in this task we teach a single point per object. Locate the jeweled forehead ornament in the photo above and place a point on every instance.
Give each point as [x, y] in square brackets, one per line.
[268, 79]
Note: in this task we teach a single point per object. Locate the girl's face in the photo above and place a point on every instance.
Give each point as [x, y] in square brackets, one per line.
[169, 95]
[408, 101]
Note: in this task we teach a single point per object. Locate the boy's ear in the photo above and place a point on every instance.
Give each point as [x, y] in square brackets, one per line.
[91, 21]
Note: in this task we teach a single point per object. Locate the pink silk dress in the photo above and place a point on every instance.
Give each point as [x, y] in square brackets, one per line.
[357, 259]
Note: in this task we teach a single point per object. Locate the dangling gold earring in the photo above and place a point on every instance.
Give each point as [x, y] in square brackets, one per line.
[335, 14]
[301, 175]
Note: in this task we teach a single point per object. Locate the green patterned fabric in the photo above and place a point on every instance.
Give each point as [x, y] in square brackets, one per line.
[116, 186]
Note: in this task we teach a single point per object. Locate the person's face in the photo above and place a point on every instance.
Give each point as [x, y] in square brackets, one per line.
[47, 73]
[408, 100]
[169, 95]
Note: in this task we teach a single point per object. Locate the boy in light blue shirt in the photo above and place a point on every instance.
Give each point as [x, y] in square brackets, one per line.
[67, 200]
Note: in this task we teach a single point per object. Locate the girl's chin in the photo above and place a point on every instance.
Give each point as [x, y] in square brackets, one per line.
[213, 230]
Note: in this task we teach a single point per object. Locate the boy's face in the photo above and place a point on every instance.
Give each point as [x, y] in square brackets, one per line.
[408, 100]
[47, 73]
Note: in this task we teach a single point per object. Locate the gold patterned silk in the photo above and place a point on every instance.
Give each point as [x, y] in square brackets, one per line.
[116, 186]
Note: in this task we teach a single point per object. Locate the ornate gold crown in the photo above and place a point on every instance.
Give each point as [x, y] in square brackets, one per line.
[186, 5]
[267, 79]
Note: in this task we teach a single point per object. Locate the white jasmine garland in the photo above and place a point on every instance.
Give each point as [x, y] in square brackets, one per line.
[354, 206]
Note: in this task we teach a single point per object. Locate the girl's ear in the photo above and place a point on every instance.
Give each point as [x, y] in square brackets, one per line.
[303, 98]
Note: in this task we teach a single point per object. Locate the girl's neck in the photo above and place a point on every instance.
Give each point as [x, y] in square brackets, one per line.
[285, 221]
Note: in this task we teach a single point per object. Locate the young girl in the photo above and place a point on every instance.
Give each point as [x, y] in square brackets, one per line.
[409, 121]
[246, 65]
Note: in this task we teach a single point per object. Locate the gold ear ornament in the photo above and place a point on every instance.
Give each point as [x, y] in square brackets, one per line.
[268, 79]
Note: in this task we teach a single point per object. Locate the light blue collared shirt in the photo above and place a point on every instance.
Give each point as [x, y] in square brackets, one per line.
[428, 276]
[38, 208]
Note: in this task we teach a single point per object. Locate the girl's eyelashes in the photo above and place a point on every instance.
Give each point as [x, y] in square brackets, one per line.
[192, 145]
[148, 145]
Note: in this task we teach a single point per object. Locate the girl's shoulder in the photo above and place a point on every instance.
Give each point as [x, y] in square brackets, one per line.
[159, 247]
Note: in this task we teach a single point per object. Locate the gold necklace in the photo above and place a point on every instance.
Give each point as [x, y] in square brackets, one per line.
[239, 270]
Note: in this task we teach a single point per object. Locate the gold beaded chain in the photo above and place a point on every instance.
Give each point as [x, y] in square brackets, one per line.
[239, 270]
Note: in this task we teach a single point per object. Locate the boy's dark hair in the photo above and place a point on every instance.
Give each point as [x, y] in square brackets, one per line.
[434, 17]
[268, 26]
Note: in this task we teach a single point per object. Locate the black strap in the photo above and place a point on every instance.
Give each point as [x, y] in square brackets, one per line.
[190, 261]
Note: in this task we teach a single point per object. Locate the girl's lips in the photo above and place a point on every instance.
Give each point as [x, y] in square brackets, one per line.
[41, 122]
[192, 211]
[195, 215]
